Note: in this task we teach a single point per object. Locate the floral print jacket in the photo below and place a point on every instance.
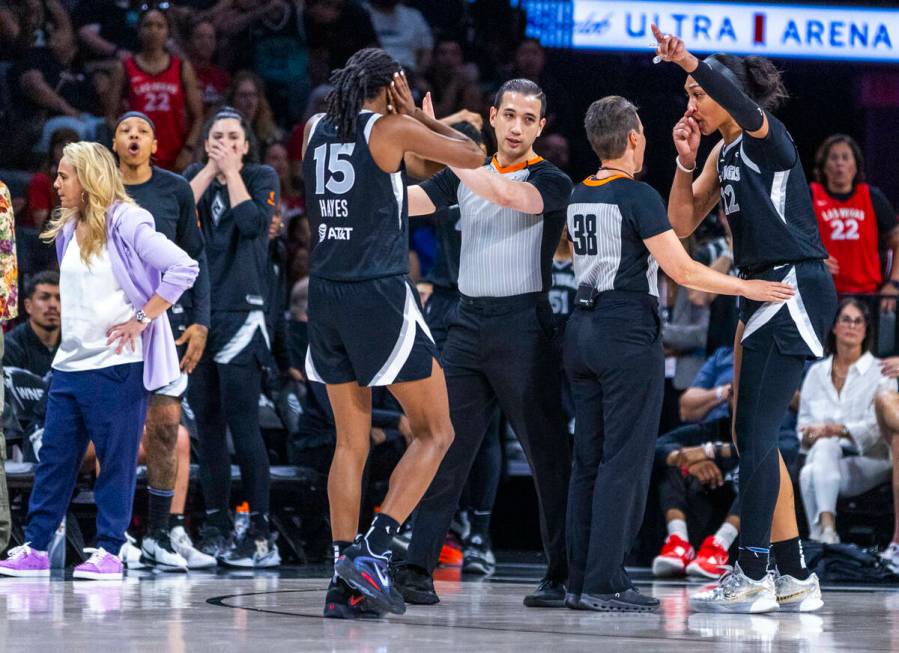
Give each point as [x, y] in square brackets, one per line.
[9, 269]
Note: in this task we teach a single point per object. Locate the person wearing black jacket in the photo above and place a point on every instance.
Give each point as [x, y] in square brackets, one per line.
[235, 203]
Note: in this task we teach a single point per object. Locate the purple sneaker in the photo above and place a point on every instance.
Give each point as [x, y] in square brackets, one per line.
[101, 566]
[25, 562]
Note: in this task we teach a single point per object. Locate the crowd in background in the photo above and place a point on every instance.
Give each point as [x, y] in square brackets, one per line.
[68, 68]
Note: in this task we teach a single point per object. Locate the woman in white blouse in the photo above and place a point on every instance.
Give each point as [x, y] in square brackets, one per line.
[837, 425]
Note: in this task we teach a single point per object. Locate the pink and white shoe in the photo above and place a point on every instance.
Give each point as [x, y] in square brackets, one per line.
[102, 565]
[25, 562]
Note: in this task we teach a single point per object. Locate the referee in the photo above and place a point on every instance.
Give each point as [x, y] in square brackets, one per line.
[500, 346]
[613, 353]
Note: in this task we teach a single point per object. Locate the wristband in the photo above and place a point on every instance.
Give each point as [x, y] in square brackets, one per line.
[719, 393]
[682, 168]
[709, 450]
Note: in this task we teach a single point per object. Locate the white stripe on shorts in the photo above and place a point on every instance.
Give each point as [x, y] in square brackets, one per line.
[403, 347]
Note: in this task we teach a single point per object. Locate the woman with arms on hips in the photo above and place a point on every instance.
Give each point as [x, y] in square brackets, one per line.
[118, 276]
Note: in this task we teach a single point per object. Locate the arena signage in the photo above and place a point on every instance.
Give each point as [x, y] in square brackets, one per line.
[812, 32]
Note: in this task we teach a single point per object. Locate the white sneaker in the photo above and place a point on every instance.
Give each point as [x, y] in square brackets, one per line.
[129, 554]
[829, 536]
[195, 558]
[157, 550]
[736, 592]
[794, 595]
[890, 557]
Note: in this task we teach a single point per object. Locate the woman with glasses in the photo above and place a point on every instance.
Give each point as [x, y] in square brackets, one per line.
[837, 424]
[164, 88]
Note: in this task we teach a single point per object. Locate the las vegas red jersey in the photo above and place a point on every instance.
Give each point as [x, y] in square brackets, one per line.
[162, 98]
[849, 234]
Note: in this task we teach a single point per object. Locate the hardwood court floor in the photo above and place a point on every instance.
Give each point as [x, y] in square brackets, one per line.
[269, 612]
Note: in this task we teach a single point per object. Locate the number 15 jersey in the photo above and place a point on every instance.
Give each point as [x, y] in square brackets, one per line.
[608, 220]
[767, 201]
[358, 213]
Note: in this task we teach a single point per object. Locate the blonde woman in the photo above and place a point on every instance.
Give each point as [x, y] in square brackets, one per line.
[118, 276]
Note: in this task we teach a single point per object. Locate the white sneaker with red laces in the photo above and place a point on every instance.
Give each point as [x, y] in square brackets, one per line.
[676, 554]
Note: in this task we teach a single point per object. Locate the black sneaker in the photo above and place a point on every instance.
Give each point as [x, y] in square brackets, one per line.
[630, 600]
[549, 594]
[341, 602]
[369, 573]
[477, 556]
[414, 584]
[213, 541]
[253, 549]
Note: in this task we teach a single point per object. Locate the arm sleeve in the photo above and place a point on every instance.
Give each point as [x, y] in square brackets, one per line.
[554, 187]
[884, 212]
[441, 189]
[254, 215]
[647, 212]
[776, 151]
[740, 106]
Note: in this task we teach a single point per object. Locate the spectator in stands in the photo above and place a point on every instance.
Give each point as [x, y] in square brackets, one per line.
[886, 408]
[117, 276]
[33, 344]
[847, 455]
[335, 29]
[556, 148]
[9, 307]
[26, 24]
[696, 466]
[292, 205]
[108, 28]
[403, 33]
[41, 197]
[530, 63]
[856, 221]
[451, 81]
[247, 95]
[57, 88]
[212, 79]
[164, 87]
[316, 103]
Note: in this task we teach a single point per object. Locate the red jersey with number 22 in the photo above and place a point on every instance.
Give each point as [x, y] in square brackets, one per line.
[161, 97]
[849, 234]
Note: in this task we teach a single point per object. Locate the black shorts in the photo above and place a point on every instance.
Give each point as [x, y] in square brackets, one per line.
[800, 325]
[371, 332]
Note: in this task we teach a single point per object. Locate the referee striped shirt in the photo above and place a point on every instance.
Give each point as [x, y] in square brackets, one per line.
[505, 252]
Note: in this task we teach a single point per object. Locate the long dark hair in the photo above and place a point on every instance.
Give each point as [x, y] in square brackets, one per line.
[866, 314]
[363, 77]
[824, 152]
[760, 79]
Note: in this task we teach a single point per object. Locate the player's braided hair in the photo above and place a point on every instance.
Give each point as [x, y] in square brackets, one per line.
[363, 77]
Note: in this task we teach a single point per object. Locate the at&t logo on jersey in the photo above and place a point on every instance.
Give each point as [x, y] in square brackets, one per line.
[334, 233]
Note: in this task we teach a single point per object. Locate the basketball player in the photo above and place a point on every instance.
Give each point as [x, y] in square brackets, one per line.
[170, 201]
[757, 172]
[365, 323]
[613, 353]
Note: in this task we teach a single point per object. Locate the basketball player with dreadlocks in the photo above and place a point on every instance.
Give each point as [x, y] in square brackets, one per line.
[756, 170]
[365, 323]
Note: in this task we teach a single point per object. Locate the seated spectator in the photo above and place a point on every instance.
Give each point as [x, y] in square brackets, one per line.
[247, 95]
[33, 344]
[697, 465]
[107, 28]
[57, 90]
[26, 24]
[164, 87]
[403, 33]
[855, 220]
[335, 29]
[453, 83]
[41, 197]
[837, 423]
[292, 205]
[213, 80]
[530, 63]
[886, 408]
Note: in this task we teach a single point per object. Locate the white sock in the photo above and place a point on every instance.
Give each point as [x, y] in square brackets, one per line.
[678, 527]
[727, 534]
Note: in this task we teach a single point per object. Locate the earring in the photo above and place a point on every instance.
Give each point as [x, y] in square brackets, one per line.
[83, 197]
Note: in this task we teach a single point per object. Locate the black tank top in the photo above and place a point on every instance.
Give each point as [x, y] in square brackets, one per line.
[358, 213]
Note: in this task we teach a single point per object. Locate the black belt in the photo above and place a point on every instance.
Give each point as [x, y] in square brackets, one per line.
[502, 304]
[588, 297]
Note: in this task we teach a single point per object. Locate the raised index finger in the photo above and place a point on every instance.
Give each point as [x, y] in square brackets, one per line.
[656, 32]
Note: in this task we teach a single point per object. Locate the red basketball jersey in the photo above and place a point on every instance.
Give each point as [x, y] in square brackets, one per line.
[849, 234]
[161, 97]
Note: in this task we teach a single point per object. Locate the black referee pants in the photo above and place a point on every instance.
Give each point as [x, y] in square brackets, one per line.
[501, 350]
[614, 359]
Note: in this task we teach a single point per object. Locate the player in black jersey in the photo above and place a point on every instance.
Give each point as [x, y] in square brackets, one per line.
[365, 323]
[169, 200]
[613, 353]
[757, 172]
